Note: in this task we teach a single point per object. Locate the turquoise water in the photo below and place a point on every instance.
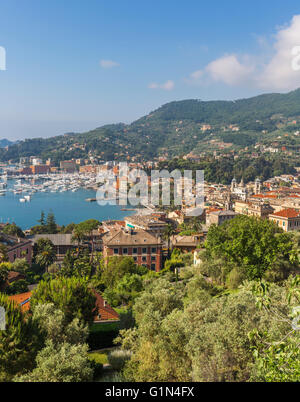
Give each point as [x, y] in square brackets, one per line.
[67, 207]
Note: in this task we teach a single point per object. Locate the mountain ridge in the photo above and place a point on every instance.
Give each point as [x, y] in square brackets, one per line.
[174, 128]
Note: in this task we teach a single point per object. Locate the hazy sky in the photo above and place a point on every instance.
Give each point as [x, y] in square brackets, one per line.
[74, 65]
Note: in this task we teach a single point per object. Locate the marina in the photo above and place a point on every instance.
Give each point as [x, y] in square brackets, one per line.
[22, 198]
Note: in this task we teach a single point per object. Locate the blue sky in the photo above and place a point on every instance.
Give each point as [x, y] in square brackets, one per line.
[75, 65]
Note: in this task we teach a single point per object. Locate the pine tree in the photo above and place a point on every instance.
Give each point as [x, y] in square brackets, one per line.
[51, 224]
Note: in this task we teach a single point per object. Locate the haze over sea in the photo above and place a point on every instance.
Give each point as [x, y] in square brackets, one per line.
[67, 207]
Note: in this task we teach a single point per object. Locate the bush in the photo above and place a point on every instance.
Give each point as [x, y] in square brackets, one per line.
[97, 369]
[102, 335]
[234, 279]
[118, 358]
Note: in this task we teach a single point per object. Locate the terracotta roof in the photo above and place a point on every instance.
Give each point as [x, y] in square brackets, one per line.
[105, 311]
[13, 276]
[128, 238]
[287, 213]
[22, 299]
[264, 196]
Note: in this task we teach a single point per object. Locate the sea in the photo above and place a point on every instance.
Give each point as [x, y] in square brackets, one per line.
[67, 207]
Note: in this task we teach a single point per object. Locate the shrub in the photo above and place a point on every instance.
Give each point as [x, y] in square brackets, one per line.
[118, 358]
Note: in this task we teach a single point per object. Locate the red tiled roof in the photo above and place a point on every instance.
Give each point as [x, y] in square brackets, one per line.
[264, 196]
[13, 276]
[23, 299]
[287, 213]
[105, 311]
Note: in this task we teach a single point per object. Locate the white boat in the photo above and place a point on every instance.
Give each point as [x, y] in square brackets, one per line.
[22, 200]
[27, 197]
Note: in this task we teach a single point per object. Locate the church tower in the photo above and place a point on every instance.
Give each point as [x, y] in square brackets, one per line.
[233, 184]
[257, 186]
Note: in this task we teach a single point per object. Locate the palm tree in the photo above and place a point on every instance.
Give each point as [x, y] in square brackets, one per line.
[46, 254]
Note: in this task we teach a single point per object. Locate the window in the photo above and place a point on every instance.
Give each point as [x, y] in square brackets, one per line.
[116, 251]
[134, 251]
[125, 250]
[144, 250]
[135, 259]
[153, 258]
[153, 267]
[144, 259]
[153, 250]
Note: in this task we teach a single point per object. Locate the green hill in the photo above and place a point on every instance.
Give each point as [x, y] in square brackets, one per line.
[173, 129]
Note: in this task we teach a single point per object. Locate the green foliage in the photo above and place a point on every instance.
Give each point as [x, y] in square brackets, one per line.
[102, 335]
[44, 252]
[70, 295]
[118, 358]
[277, 356]
[20, 341]
[3, 253]
[203, 340]
[5, 267]
[61, 363]
[13, 230]
[174, 128]
[20, 265]
[252, 245]
[17, 287]
[55, 327]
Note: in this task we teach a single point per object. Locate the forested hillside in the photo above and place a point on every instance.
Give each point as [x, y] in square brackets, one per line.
[172, 130]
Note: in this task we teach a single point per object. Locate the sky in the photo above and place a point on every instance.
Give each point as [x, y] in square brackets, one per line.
[75, 65]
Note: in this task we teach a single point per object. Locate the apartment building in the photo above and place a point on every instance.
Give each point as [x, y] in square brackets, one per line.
[142, 246]
[287, 219]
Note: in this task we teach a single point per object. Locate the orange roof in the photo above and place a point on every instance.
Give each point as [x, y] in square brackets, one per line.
[287, 213]
[22, 299]
[264, 196]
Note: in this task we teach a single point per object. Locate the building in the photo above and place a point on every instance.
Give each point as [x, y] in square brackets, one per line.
[187, 244]
[68, 166]
[103, 311]
[89, 169]
[61, 242]
[142, 246]
[219, 217]
[146, 222]
[36, 161]
[287, 219]
[197, 260]
[258, 209]
[17, 247]
[40, 169]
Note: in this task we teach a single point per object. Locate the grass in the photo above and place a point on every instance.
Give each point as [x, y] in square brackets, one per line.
[98, 357]
[103, 327]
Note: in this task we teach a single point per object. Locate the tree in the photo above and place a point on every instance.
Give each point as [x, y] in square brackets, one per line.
[20, 341]
[20, 265]
[5, 267]
[41, 221]
[168, 232]
[61, 363]
[84, 230]
[17, 287]
[70, 295]
[116, 268]
[251, 244]
[44, 253]
[53, 324]
[3, 253]
[13, 230]
[51, 224]
[277, 356]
